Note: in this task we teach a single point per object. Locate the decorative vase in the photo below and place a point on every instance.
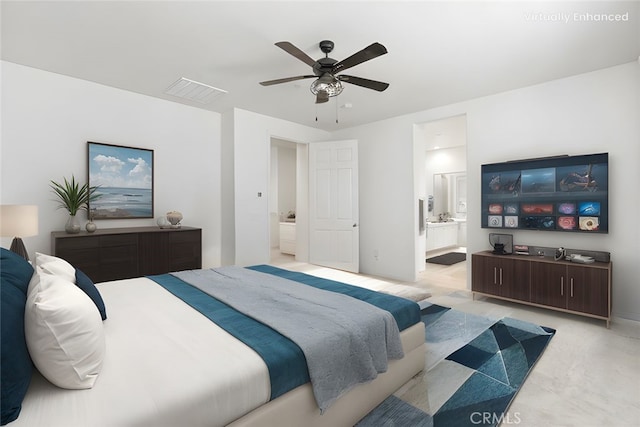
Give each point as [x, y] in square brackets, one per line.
[162, 222]
[91, 226]
[73, 225]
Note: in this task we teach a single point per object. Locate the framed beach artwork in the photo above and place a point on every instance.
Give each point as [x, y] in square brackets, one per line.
[124, 177]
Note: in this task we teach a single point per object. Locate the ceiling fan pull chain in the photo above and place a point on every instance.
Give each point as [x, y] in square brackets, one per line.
[336, 110]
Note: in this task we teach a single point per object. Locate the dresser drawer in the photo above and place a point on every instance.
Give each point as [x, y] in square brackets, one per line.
[77, 243]
[119, 240]
[82, 253]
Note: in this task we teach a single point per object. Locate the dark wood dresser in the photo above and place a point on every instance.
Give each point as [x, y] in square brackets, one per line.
[122, 253]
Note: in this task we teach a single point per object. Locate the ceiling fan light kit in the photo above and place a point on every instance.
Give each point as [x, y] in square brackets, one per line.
[328, 84]
[325, 70]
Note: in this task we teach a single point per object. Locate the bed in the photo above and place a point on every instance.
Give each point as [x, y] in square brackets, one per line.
[164, 363]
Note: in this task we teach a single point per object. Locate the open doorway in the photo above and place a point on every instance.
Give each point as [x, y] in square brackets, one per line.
[289, 200]
[282, 199]
[446, 190]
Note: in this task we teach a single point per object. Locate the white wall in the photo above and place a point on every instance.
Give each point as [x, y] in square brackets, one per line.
[388, 200]
[302, 202]
[420, 191]
[252, 149]
[446, 160]
[227, 206]
[588, 113]
[47, 120]
[286, 180]
[274, 216]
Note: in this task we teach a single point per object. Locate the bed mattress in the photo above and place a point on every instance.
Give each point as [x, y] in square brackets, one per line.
[161, 356]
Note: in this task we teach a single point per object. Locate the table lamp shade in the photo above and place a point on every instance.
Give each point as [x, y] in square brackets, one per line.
[18, 220]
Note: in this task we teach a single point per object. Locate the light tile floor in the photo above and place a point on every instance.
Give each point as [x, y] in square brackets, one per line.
[588, 376]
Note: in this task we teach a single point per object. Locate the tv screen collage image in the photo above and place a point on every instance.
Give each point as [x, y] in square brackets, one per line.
[565, 193]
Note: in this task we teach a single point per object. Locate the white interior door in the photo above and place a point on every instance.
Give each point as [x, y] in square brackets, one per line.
[334, 238]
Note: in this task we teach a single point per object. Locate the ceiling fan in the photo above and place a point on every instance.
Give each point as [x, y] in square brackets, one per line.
[326, 70]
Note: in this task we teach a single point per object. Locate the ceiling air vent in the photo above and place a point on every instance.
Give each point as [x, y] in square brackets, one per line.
[194, 91]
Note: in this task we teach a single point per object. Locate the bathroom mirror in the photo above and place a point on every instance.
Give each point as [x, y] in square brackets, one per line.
[450, 193]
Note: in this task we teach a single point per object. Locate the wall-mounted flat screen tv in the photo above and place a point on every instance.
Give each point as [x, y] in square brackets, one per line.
[563, 193]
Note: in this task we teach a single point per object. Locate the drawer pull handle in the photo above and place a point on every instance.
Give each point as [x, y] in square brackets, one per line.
[572, 287]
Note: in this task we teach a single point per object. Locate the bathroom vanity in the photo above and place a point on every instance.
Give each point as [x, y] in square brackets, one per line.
[288, 238]
[445, 234]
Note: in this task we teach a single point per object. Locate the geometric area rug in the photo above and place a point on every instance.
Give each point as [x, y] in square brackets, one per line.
[481, 366]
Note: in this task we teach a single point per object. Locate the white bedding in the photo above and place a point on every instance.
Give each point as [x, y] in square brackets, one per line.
[154, 339]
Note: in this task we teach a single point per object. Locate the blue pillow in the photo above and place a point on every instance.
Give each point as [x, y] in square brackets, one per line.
[16, 270]
[15, 274]
[84, 282]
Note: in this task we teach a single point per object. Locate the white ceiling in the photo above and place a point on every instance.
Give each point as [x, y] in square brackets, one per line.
[439, 52]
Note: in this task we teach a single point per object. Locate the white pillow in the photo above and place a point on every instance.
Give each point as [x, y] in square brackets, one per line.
[64, 332]
[56, 266]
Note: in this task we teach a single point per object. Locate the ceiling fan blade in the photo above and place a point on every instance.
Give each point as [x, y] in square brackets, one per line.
[292, 50]
[372, 51]
[322, 97]
[359, 81]
[285, 80]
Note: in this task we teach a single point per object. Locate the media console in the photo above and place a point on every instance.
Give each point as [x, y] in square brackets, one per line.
[583, 289]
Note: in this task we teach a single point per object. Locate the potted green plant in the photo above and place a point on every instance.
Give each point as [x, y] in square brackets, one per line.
[73, 197]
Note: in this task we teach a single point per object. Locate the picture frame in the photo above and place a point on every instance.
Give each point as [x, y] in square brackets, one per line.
[124, 179]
